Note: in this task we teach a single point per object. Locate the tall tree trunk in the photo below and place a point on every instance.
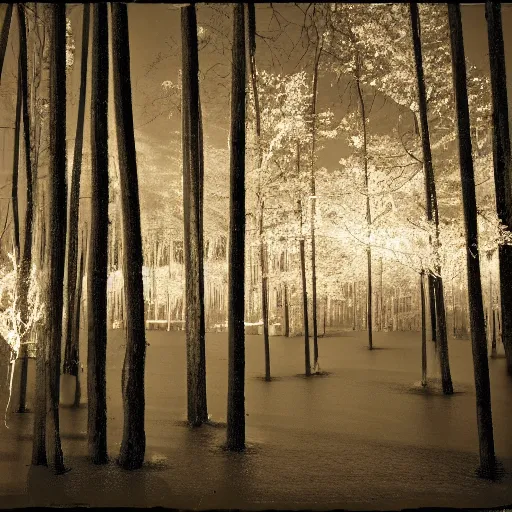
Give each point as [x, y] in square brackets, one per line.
[423, 332]
[307, 359]
[194, 319]
[56, 229]
[236, 283]
[502, 164]
[71, 343]
[26, 259]
[251, 30]
[4, 36]
[75, 326]
[318, 53]
[97, 272]
[476, 309]
[264, 293]
[286, 312]
[134, 437]
[432, 307]
[15, 168]
[368, 210]
[432, 209]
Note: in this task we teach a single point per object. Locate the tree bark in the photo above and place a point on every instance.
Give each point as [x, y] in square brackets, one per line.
[441, 335]
[15, 169]
[4, 36]
[192, 167]
[251, 38]
[476, 310]
[75, 326]
[423, 332]
[286, 312]
[236, 283]
[502, 164]
[368, 211]
[56, 229]
[97, 272]
[26, 259]
[134, 438]
[71, 342]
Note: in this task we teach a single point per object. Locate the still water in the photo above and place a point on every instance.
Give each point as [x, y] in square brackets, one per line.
[364, 436]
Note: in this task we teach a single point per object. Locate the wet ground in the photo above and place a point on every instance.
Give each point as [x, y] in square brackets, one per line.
[362, 437]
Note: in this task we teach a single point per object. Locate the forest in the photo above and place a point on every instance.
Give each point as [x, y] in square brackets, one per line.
[238, 235]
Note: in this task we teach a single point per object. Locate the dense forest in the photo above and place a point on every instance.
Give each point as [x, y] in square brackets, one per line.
[329, 169]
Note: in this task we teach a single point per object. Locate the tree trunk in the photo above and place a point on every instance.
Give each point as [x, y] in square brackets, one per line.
[71, 343]
[441, 336]
[236, 283]
[26, 259]
[15, 168]
[134, 438]
[251, 30]
[4, 36]
[56, 229]
[502, 165]
[286, 312]
[39, 429]
[318, 53]
[476, 310]
[368, 212]
[97, 272]
[423, 333]
[75, 326]
[307, 359]
[194, 291]
[264, 294]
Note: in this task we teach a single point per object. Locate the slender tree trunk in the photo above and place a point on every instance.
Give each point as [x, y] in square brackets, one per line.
[15, 168]
[251, 30]
[134, 438]
[441, 336]
[26, 259]
[71, 343]
[368, 213]
[97, 271]
[502, 164]
[423, 332]
[57, 229]
[476, 310]
[264, 294]
[4, 36]
[318, 54]
[75, 330]
[196, 364]
[286, 312]
[236, 283]
[493, 343]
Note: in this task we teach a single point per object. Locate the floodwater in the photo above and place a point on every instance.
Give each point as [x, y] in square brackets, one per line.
[362, 437]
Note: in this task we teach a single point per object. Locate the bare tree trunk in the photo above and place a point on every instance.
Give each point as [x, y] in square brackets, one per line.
[251, 30]
[4, 36]
[57, 229]
[368, 212]
[432, 209]
[502, 165]
[75, 330]
[236, 283]
[264, 294]
[196, 364]
[71, 343]
[134, 438]
[15, 168]
[286, 312]
[26, 259]
[476, 310]
[423, 332]
[97, 272]
[307, 359]
[318, 54]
